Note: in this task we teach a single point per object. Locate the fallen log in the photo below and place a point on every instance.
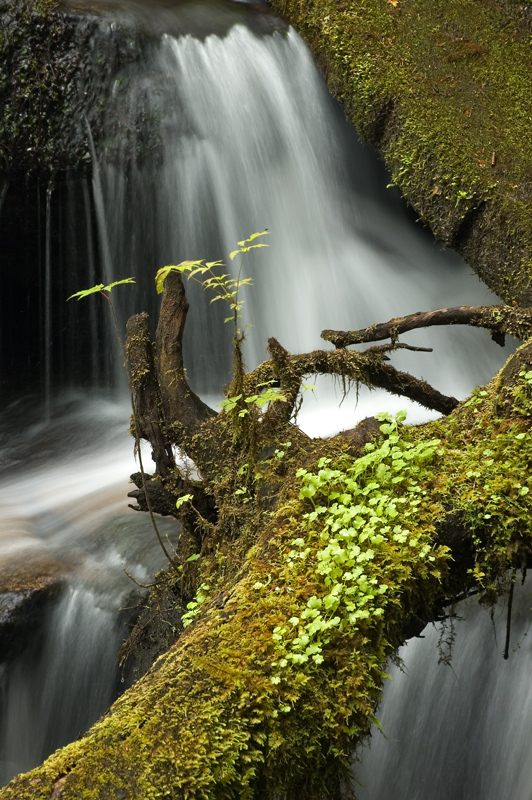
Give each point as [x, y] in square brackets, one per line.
[255, 699]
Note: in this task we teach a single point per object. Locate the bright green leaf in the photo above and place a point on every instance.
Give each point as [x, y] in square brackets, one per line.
[100, 288]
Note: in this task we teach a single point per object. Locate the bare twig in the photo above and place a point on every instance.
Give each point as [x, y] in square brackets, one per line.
[499, 320]
[383, 349]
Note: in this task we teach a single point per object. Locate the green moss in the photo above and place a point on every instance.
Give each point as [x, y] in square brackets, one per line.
[489, 483]
[55, 71]
[442, 89]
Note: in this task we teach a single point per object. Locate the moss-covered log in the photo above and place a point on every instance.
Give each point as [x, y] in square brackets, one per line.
[317, 561]
[441, 89]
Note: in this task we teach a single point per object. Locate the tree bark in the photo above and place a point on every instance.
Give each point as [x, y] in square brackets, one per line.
[179, 402]
[146, 396]
[368, 369]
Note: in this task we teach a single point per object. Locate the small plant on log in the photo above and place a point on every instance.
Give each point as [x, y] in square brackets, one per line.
[359, 516]
[228, 289]
[225, 288]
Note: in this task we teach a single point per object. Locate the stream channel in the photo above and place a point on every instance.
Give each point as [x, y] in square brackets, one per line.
[215, 130]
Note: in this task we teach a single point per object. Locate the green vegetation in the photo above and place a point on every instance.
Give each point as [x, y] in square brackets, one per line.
[228, 289]
[101, 289]
[318, 556]
[363, 517]
[490, 483]
[322, 555]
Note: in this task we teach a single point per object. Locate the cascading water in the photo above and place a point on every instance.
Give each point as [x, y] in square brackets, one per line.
[208, 139]
[459, 731]
[63, 486]
[242, 136]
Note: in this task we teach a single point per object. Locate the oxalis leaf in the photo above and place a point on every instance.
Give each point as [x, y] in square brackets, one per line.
[352, 510]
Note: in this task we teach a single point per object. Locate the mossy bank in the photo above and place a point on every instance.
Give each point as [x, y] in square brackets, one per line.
[442, 89]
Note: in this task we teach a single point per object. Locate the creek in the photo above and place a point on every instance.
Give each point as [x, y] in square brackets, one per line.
[215, 130]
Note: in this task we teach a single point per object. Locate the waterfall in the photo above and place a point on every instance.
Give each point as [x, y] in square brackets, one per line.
[61, 684]
[222, 137]
[209, 137]
[63, 508]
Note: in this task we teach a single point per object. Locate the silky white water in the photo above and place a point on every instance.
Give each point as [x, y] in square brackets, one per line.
[461, 731]
[244, 137]
[63, 505]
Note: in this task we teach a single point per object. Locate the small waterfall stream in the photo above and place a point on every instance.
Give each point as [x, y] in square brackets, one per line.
[63, 507]
[243, 136]
[208, 139]
[461, 731]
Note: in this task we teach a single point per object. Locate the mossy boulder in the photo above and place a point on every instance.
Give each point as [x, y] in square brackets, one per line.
[41, 128]
[442, 89]
[57, 64]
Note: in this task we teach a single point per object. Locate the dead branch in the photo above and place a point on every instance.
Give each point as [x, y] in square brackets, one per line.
[180, 403]
[168, 411]
[146, 397]
[499, 320]
[383, 349]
